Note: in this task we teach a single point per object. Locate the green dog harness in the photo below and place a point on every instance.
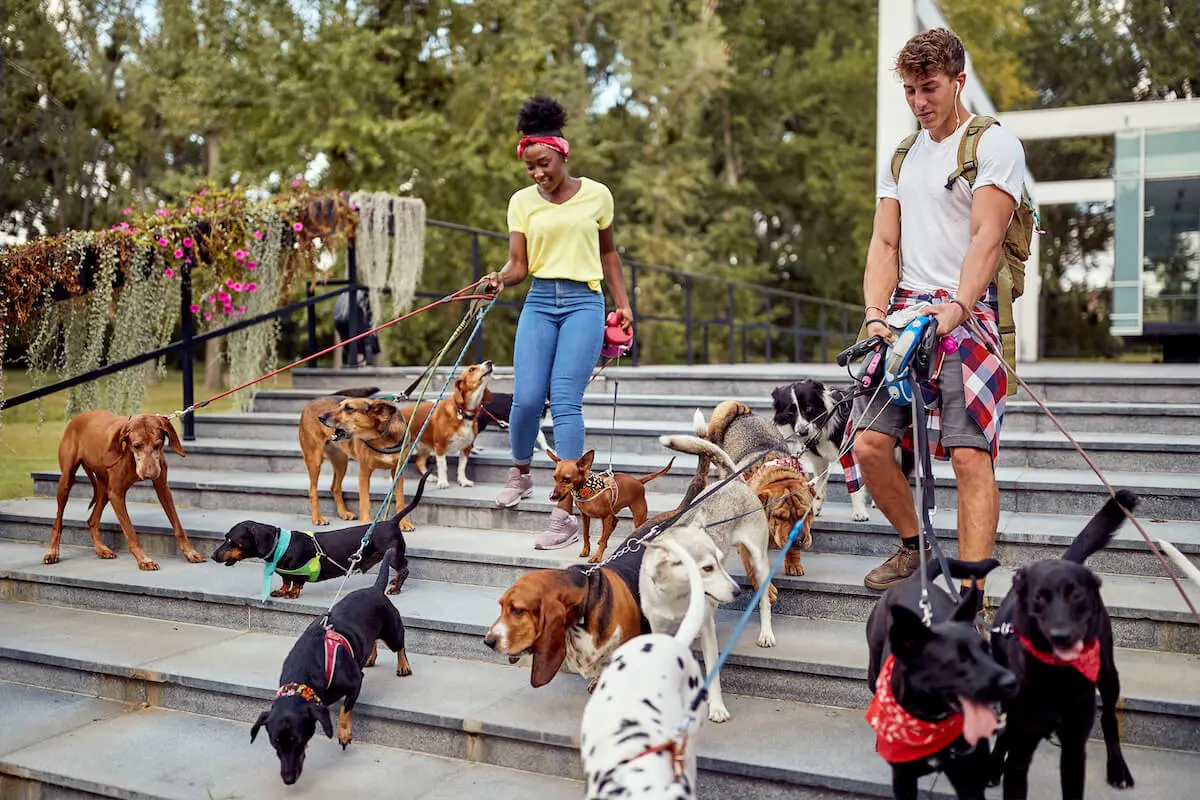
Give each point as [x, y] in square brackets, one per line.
[308, 571]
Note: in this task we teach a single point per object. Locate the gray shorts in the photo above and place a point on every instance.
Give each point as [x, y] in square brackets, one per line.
[959, 429]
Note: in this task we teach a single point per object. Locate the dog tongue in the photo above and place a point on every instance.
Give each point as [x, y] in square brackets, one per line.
[979, 721]
[1071, 653]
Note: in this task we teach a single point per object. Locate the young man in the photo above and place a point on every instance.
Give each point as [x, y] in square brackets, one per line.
[949, 242]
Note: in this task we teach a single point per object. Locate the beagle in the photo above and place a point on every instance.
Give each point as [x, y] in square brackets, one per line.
[453, 423]
[568, 618]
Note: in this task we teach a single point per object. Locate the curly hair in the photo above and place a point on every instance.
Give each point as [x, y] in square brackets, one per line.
[930, 52]
[541, 114]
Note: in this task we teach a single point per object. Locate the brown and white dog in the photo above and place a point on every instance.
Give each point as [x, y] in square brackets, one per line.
[453, 423]
[569, 618]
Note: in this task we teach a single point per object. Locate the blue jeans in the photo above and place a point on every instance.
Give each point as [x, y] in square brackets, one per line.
[559, 337]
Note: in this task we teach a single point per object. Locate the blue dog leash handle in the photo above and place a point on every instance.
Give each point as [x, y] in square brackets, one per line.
[269, 564]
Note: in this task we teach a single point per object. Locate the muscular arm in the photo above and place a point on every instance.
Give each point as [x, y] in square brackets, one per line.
[883, 260]
[991, 209]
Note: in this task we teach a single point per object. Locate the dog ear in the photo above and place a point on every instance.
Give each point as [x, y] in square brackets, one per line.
[1020, 586]
[321, 712]
[262, 720]
[553, 456]
[585, 461]
[264, 536]
[764, 495]
[550, 647]
[172, 438]
[118, 446]
[908, 634]
[965, 611]
[380, 408]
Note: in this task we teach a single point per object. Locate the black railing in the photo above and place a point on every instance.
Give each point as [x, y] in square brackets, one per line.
[807, 319]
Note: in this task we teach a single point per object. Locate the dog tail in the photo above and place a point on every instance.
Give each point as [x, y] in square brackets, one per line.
[647, 478]
[960, 569]
[699, 425]
[385, 569]
[404, 512]
[356, 391]
[1181, 561]
[693, 618]
[699, 447]
[1101, 528]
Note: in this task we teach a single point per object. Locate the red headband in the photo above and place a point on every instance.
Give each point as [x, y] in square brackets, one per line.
[553, 142]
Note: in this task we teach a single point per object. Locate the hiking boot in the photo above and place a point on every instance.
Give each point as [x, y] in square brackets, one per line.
[563, 531]
[518, 487]
[904, 562]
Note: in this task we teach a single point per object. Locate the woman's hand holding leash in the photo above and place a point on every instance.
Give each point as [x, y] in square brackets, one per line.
[625, 315]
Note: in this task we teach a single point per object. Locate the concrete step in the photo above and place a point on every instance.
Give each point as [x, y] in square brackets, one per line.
[177, 755]
[1147, 612]
[816, 660]
[450, 707]
[1145, 452]
[1022, 537]
[1020, 415]
[1039, 491]
[1052, 381]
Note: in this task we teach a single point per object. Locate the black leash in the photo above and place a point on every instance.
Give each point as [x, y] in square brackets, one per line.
[925, 485]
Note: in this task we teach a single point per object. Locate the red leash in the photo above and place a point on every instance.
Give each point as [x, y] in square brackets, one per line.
[447, 299]
[983, 337]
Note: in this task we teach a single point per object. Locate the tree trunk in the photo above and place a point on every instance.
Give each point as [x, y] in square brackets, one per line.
[213, 365]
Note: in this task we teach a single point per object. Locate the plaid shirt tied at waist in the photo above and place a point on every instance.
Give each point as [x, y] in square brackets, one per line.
[984, 378]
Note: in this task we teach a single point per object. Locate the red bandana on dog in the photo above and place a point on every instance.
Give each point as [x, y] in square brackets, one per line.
[553, 142]
[899, 736]
[1088, 662]
[334, 640]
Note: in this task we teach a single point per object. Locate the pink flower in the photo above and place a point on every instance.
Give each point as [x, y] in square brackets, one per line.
[127, 211]
[229, 282]
[178, 253]
[258, 235]
[224, 298]
[296, 182]
[220, 205]
[168, 273]
[124, 226]
[187, 261]
[228, 309]
[241, 309]
[237, 287]
[240, 255]
[194, 308]
[162, 242]
[251, 287]
[253, 265]
[207, 316]
[197, 210]
[235, 202]
[211, 299]
[187, 241]
[203, 192]
[297, 226]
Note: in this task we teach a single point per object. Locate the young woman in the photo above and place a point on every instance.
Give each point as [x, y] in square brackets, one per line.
[560, 232]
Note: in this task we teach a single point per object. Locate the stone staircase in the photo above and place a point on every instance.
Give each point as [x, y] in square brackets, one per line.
[143, 685]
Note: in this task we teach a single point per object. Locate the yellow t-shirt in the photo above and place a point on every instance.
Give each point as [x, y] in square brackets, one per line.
[563, 240]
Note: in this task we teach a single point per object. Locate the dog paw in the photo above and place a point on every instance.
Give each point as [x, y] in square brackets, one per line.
[718, 714]
[466, 483]
[443, 484]
[344, 739]
[106, 552]
[1119, 776]
[194, 557]
[405, 525]
[860, 516]
[279, 593]
[766, 639]
[50, 558]
[596, 559]
[585, 552]
[321, 520]
[348, 515]
[796, 571]
[148, 565]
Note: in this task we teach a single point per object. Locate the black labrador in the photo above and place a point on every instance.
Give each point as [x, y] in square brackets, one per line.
[315, 557]
[936, 686]
[326, 665]
[1054, 633]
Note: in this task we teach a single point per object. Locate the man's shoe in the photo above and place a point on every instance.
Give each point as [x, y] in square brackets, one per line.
[904, 562]
[563, 531]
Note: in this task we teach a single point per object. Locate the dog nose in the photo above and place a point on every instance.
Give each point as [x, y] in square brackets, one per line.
[1061, 637]
[1007, 684]
[490, 641]
[737, 590]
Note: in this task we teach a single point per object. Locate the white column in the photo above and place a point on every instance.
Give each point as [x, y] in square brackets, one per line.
[1027, 308]
[893, 119]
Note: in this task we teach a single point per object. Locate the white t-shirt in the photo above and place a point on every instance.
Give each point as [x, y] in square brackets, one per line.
[935, 222]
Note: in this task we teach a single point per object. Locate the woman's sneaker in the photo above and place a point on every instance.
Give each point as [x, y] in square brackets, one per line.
[563, 531]
[518, 487]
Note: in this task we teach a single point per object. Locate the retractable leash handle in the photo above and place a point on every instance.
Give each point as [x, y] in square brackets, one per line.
[617, 340]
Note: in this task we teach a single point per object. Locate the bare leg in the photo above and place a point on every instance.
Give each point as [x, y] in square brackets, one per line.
[978, 503]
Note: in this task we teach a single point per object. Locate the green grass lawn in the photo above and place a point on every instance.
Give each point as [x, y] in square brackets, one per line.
[24, 447]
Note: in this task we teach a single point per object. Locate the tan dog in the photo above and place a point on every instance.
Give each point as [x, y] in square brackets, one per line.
[117, 452]
[340, 428]
[453, 424]
[601, 496]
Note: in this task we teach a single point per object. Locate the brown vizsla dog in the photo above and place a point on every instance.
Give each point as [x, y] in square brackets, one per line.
[601, 496]
[117, 452]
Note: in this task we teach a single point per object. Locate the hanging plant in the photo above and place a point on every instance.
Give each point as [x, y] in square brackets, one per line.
[393, 260]
[253, 351]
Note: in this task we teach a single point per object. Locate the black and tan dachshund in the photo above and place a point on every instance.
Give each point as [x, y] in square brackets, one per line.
[935, 686]
[1054, 633]
[326, 665]
[314, 557]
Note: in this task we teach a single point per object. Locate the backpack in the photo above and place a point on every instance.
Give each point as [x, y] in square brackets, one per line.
[1018, 239]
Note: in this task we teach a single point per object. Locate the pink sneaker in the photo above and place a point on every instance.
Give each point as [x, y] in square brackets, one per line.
[518, 487]
[563, 531]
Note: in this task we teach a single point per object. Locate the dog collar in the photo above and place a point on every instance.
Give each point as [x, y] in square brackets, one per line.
[281, 545]
[899, 736]
[467, 413]
[334, 640]
[302, 689]
[594, 485]
[1088, 663]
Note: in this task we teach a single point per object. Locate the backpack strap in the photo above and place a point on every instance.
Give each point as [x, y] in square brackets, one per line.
[968, 151]
[902, 151]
